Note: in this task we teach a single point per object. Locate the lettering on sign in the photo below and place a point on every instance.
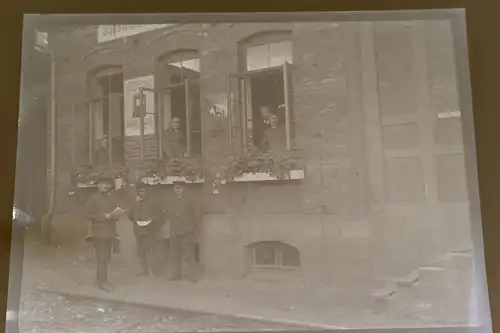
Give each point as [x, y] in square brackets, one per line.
[107, 33]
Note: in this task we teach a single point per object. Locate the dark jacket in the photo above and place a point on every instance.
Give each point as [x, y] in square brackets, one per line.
[101, 157]
[145, 210]
[97, 206]
[174, 143]
[274, 139]
[183, 215]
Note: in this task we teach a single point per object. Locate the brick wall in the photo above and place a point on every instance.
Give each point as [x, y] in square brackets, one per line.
[334, 205]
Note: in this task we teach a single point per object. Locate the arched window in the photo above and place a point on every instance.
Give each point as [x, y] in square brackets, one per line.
[177, 78]
[261, 95]
[267, 50]
[274, 254]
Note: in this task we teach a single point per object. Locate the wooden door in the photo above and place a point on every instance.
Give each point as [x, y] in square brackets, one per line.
[405, 159]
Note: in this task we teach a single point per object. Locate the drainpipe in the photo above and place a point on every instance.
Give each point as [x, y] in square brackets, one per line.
[46, 220]
[53, 147]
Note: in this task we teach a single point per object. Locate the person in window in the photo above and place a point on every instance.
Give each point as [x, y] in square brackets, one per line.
[274, 137]
[147, 218]
[101, 155]
[265, 114]
[103, 212]
[183, 216]
[174, 141]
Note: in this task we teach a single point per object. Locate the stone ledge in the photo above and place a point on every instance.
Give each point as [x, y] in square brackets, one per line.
[263, 176]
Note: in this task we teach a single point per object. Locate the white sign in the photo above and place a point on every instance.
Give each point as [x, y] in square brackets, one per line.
[133, 125]
[107, 33]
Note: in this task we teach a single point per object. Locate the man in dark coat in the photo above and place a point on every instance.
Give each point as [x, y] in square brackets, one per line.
[103, 212]
[148, 220]
[101, 155]
[174, 140]
[183, 218]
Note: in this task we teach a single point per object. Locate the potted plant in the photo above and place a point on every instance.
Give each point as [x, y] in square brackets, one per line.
[270, 165]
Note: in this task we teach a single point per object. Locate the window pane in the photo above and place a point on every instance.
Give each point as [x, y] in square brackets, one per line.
[257, 57]
[176, 64]
[280, 53]
[290, 256]
[265, 255]
[193, 65]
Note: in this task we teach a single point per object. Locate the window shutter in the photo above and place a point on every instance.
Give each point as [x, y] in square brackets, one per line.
[235, 114]
[289, 112]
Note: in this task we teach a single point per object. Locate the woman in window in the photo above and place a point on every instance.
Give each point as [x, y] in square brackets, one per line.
[274, 137]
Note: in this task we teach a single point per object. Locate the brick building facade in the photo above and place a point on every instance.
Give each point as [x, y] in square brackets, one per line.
[372, 108]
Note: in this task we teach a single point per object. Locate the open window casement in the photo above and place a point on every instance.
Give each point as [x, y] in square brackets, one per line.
[139, 112]
[163, 102]
[239, 113]
[288, 105]
[181, 100]
[193, 117]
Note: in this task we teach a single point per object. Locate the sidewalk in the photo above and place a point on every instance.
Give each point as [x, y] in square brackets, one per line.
[289, 305]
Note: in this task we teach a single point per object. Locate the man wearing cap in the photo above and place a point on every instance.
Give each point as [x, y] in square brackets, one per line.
[148, 220]
[183, 217]
[103, 212]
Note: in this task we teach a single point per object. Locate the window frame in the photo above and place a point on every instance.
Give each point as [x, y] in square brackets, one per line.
[244, 92]
[244, 100]
[163, 87]
[278, 249]
[93, 98]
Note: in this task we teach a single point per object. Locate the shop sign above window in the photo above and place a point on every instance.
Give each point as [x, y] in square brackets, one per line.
[107, 33]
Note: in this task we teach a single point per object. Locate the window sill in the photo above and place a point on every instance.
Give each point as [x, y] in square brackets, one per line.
[169, 180]
[86, 185]
[119, 183]
[263, 176]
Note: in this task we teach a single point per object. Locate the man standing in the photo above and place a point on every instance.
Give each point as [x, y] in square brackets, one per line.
[103, 212]
[183, 216]
[148, 220]
[174, 141]
[101, 155]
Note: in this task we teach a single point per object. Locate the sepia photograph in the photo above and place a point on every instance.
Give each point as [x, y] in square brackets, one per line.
[264, 172]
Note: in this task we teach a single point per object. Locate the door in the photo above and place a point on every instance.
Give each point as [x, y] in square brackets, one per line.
[402, 155]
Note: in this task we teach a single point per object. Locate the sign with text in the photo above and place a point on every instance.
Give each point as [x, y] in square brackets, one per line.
[107, 33]
[133, 124]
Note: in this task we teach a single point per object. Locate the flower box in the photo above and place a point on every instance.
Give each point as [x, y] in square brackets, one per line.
[263, 176]
[119, 183]
[169, 180]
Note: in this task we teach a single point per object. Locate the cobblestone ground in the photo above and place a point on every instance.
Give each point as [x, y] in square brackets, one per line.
[44, 313]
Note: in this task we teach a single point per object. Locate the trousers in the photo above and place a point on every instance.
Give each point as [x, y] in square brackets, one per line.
[102, 248]
[182, 263]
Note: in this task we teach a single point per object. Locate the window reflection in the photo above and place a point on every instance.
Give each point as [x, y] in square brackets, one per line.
[268, 55]
[193, 64]
[185, 69]
[279, 53]
[258, 57]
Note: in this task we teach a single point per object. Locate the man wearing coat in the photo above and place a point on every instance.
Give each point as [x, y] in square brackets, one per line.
[103, 212]
[174, 141]
[183, 217]
[148, 219]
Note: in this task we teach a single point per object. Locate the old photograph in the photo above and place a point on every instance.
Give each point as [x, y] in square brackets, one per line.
[244, 175]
